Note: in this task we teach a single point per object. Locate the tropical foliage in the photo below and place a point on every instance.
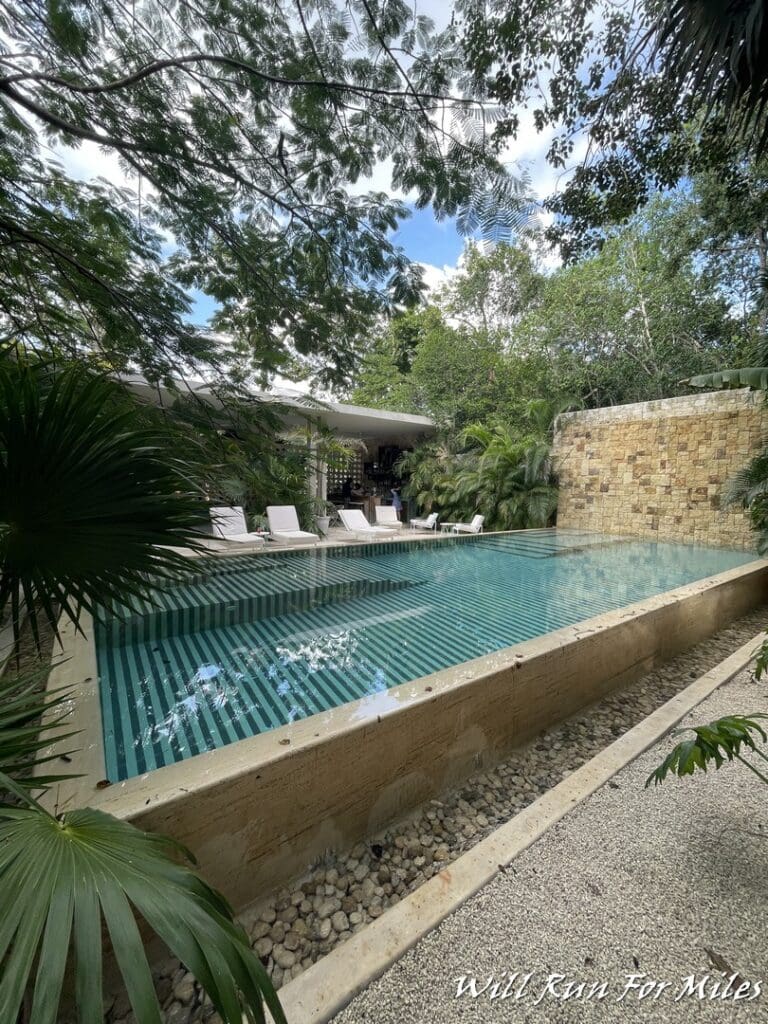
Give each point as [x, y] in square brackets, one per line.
[733, 228]
[625, 324]
[513, 481]
[714, 51]
[749, 489]
[431, 471]
[628, 324]
[30, 719]
[715, 744]
[507, 477]
[451, 373]
[63, 878]
[654, 88]
[88, 505]
[236, 449]
[719, 53]
[89, 867]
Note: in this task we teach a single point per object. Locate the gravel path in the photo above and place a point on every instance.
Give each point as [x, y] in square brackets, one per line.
[667, 883]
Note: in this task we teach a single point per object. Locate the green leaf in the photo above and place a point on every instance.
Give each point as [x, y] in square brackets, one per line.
[90, 504]
[747, 377]
[713, 744]
[88, 866]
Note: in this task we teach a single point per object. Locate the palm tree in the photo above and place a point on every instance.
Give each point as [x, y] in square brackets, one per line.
[432, 471]
[514, 479]
[749, 489]
[88, 507]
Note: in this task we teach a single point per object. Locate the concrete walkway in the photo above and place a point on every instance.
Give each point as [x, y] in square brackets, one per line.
[634, 886]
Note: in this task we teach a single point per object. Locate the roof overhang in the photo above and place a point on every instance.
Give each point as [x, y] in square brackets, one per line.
[347, 420]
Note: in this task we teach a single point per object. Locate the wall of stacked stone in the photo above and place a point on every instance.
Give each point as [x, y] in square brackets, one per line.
[658, 469]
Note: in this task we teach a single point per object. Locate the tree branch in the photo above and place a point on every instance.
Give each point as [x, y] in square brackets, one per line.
[155, 67]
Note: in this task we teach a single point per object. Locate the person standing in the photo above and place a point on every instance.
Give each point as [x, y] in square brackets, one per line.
[397, 503]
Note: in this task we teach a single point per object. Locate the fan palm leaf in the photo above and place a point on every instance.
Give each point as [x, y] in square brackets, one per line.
[89, 505]
[508, 479]
[750, 483]
[86, 501]
[748, 488]
[30, 718]
[89, 868]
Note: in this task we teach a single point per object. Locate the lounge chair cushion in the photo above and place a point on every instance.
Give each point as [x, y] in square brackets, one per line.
[284, 524]
[474, 527]
[294, 535]
[228, 522]
[355, 522]
[387, 516]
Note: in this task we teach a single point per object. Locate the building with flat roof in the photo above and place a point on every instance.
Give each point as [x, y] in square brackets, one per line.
[383, 435]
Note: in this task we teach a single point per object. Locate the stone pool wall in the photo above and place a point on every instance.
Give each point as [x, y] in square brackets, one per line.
[658, 469]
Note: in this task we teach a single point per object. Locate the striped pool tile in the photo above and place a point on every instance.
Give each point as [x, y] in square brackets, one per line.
[253, 642]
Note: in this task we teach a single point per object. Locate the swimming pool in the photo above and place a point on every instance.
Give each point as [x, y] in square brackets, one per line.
[253, 642]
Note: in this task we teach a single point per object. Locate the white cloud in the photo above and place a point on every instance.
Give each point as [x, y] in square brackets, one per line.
[436, 278]
[89, 160]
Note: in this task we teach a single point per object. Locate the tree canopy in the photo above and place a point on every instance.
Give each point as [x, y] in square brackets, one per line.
[245, 133]
[656, 305]
[637, 96]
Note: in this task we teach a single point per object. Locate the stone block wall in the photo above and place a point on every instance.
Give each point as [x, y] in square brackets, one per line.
[658, 469]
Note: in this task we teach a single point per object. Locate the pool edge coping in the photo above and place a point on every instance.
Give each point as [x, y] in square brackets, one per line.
[324, 989]
[76, 669]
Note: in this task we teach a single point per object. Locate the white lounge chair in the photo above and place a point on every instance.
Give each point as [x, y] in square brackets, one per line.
[284, 525]
[355, 522]
[430, 523]
[476, 526]
[387, 516]
[228, 522]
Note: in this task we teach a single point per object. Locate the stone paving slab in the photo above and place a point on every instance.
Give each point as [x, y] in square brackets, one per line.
[634, 882]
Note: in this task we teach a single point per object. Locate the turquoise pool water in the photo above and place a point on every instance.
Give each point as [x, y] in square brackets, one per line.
[253, 642]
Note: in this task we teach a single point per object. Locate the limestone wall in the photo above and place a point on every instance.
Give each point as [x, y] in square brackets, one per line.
[657, 469]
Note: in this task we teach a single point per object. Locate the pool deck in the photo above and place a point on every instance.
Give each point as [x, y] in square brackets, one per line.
[336, 537]
[663, 883]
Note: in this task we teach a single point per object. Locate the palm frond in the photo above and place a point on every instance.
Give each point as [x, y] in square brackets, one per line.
[508, 479]
[30, 720]
[749, 484]
[89, 868]
[755, 377]
[90, 506]
[719, 53]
